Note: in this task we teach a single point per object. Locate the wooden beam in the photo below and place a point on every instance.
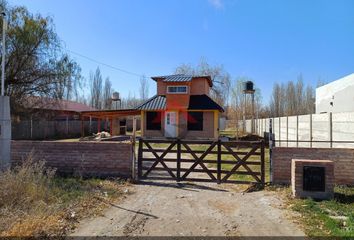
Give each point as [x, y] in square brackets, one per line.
[111, 126]
[216, 124]
[104, 113]
[99, 125]
[142, 123]
[82, 127]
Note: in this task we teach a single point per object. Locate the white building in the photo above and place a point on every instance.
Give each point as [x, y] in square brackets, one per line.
[337, 96]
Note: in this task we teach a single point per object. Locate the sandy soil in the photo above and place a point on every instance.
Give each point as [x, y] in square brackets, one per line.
[161, 208]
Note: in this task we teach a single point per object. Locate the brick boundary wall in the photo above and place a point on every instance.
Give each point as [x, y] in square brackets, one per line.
[91, 159]
[343, 162]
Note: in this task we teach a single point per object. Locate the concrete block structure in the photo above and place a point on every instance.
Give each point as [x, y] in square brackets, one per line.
[312, 178]
[343, 160]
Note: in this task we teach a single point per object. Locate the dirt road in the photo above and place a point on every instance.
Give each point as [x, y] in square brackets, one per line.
[192, 209]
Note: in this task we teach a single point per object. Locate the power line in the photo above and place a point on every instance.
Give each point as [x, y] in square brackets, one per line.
[104, 64]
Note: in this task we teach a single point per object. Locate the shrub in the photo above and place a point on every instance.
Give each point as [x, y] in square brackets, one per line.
[35, 202]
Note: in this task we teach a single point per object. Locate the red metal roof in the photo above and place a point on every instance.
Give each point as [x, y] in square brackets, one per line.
[57, 105]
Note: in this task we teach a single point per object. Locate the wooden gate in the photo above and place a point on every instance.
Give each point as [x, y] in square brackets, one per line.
[217, 161]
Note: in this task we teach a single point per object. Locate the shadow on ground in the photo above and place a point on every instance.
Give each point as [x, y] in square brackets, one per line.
[344, 198]
[184, 186]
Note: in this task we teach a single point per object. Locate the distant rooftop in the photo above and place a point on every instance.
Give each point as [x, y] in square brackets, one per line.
[181, 78]
[57, 104]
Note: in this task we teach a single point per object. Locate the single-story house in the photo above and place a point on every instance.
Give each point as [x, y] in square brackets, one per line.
[44, 108]
[182, 108]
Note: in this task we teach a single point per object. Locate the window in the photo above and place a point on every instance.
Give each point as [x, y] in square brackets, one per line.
[195, 121]
[177, 89]
[168, 119]
[153, 120]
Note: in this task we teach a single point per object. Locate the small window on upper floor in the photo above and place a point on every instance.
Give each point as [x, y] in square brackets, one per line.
[177, 89]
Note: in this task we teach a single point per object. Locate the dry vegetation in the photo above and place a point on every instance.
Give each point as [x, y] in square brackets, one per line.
[35, 202]
[327, 218]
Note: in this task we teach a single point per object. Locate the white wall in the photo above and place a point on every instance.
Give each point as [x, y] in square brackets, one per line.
[340, 93]
[318, 127]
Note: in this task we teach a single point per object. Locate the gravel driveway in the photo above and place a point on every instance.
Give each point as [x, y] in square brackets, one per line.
[161, 208]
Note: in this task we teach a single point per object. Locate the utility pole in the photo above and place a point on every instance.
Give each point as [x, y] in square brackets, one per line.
[3, 53]
[5, 119]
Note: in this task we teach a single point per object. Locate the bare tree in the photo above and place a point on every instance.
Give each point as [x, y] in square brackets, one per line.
[290, 103]
[107, 94]
[309, 100]
[300, 96]
[96, 89]
[321, 82]
[68, 82]
[144, 88]
[131, 101]
[237, 101]
[292, 99]
[185, 69]
[276, 104]
[219, 76]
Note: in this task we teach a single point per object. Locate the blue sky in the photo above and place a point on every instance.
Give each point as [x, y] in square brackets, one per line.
[268, 41]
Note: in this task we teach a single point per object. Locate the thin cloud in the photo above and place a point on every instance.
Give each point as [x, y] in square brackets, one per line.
[218, 4]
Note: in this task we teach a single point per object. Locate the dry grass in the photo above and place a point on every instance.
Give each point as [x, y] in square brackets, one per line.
[35, 202]
[332, 219]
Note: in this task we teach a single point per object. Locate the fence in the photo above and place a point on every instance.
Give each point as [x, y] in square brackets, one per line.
[330, 130]
[26, 130]
[185, 160]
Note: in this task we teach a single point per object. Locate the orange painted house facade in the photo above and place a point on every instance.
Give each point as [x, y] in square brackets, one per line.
[182, 108]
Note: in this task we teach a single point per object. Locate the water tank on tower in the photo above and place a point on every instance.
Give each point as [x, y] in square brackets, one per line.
[248, 87]
[115, 96]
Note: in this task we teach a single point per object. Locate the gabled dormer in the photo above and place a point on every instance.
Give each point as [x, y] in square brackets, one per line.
[178, 89]
[183, 84]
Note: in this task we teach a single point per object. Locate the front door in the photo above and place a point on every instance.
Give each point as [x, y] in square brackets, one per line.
[171, 124]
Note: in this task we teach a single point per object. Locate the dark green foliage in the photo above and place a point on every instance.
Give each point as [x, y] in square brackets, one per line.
[36, 64]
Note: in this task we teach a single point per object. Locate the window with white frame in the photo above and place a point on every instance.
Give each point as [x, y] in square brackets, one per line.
[177, 89]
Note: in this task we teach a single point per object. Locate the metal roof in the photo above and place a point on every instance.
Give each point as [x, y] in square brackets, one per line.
[181, 78]
[154, 103]
[177, 78]
[196, 102]
[203, 102]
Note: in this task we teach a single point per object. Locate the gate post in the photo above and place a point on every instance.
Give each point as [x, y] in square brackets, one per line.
[271, 145]
[140, 161]
[219, 162]
[178, 160]
[262, 163]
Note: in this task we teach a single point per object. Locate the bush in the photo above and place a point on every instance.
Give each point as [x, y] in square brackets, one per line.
[35, 202]
[26, 184]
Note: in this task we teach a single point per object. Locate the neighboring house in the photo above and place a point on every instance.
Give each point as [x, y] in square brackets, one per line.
[46, 118]
[336, 96]
[182, 108]
[43, 108]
